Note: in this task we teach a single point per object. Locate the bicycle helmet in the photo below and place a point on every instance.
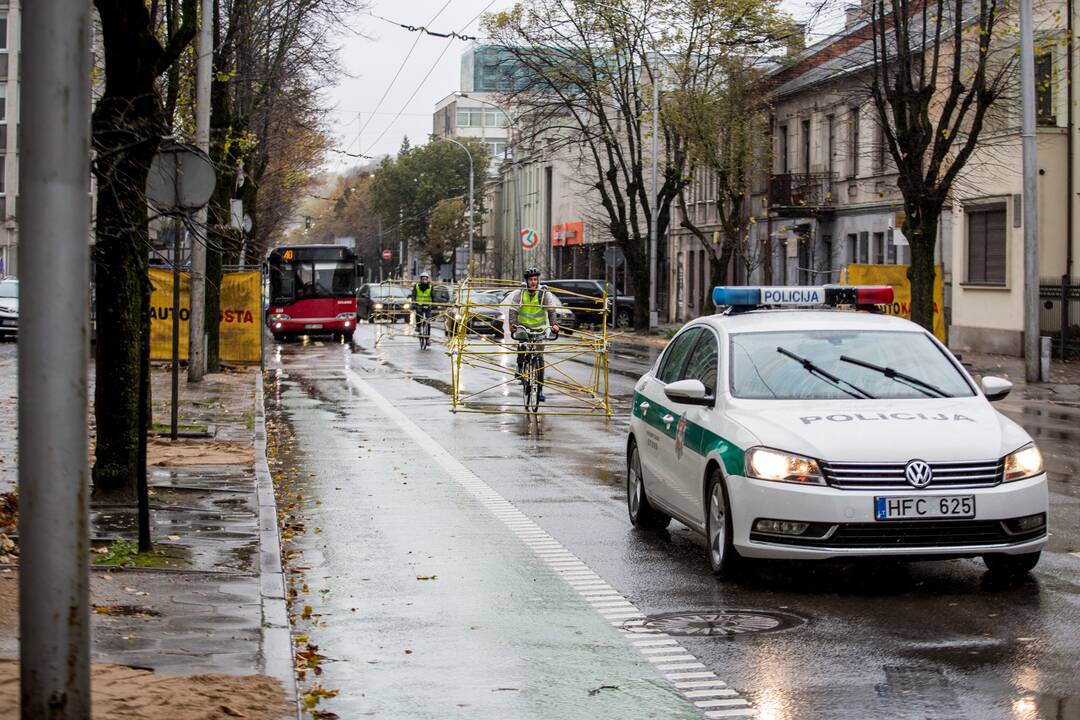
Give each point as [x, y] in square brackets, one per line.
[531, 272]
[425, 274]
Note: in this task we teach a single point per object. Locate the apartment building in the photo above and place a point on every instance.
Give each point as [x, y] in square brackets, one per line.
[9, 135]
[830, 197]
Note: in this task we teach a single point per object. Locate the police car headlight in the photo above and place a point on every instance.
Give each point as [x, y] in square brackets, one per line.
[1024, 463]
[378, 306]
[766, 464]
[406, 306]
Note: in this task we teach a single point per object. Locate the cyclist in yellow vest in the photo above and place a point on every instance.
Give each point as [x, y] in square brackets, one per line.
[532, 307]
[421, 298]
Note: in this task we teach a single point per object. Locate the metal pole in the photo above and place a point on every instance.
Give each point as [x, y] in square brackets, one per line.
[173, 419]
[654, 320]
[1031, 218]
[472, 236]
[197, 319]
[54, 184]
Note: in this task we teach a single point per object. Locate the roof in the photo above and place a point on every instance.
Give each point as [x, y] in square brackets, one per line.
[769, 320]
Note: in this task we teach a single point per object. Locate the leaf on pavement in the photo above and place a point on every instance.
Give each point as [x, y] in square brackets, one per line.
[426, 577]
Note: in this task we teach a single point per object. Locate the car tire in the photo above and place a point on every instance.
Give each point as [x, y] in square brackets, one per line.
[724, 559]
[642, 514]
[1011, 565]
[624, 318]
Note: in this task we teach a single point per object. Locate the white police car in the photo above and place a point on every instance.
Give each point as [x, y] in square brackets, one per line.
[818, 433]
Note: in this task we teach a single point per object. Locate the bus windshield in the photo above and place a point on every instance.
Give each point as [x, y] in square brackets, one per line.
[311, 279]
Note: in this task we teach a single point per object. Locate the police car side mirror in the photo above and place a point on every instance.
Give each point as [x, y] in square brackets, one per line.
[688, 392]
[995, 388]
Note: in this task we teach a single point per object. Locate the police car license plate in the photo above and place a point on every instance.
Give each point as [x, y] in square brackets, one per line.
[924, 507]
[313, 326]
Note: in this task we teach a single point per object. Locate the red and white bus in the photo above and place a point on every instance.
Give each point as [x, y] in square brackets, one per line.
[312, 290]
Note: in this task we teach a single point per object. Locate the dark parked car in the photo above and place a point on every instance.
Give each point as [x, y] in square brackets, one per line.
[584, 297]
[382, 301]
[486, 315]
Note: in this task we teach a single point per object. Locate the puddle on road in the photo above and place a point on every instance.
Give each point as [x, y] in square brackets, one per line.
[441, 385]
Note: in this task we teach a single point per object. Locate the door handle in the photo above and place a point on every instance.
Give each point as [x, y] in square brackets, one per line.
[668, 419]
[644, 408]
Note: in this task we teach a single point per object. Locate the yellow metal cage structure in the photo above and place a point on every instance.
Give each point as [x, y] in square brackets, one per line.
[385, 320]
[480, 340]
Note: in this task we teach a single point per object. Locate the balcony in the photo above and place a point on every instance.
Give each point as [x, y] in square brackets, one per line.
[802, 194]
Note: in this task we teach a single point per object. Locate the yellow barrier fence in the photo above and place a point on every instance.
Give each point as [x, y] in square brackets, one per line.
[240, 325]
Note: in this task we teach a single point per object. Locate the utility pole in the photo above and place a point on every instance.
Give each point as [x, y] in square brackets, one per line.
[1031, 180]
[54, 183]
[197, 319]
[654, 319]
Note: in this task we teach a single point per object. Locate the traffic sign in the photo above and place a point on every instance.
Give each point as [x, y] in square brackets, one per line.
[529, 238]
[386, 254]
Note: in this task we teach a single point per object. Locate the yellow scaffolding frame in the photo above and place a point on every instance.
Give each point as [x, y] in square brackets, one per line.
[390, 330]
[571, 395]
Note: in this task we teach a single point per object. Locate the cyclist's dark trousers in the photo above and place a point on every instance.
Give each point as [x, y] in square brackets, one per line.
[521, 364]
[423, 311]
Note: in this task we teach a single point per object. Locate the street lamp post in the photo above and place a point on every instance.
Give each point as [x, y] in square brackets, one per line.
[517, 173]
[471, 180]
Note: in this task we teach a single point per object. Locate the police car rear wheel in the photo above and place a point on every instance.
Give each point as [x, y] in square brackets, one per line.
[1011, 565]
[642, 514]
[724, 559]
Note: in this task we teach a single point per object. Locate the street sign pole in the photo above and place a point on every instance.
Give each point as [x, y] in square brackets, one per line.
[54, 186]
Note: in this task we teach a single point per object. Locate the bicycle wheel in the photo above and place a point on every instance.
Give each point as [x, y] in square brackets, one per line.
[532, 400]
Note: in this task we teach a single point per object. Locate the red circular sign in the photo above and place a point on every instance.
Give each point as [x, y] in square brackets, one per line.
[386, 254]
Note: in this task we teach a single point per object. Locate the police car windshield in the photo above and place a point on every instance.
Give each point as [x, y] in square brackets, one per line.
[758, 371]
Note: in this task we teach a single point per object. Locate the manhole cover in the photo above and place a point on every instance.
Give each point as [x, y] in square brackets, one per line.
[728, 623]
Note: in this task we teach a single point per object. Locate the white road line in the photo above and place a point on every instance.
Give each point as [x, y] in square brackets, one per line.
[1075, 554]
[675, 663]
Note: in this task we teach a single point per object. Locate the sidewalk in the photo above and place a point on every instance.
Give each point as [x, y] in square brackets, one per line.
[197, 627]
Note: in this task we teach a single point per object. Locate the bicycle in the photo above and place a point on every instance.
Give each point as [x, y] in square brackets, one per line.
[423, 327]
[531, 352]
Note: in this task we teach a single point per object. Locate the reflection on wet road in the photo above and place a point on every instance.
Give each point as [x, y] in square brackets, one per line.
[422, 596]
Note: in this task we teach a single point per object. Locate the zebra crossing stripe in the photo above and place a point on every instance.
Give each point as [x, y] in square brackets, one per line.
[686, 675]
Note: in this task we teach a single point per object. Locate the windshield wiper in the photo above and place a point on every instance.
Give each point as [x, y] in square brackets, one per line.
[912, 382]
[819, 372]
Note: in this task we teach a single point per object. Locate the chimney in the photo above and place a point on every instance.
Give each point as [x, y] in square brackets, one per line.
[853, 15]
[796, 39]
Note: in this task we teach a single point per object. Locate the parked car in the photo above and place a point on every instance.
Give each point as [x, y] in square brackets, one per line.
[486, 316]
[383, 301]
[584, 297]
[9, 307]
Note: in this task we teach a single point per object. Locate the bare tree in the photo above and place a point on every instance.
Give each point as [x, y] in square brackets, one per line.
[937, 69]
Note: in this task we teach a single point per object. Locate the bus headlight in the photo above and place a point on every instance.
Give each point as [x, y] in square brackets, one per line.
[280, 316]
[1024, 463]
[766, 464]
[345, 316]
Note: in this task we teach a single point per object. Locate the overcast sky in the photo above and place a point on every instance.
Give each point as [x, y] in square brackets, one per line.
[429, 71]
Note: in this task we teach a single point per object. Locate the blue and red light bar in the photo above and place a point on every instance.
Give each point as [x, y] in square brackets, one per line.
[799, 296]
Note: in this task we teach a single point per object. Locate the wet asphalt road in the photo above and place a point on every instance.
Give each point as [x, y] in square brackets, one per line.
[431, 556]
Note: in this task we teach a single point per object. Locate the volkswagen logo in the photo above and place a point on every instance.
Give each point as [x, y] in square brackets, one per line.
[918, 473]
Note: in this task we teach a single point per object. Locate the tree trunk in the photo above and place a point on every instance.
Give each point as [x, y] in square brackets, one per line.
[126, 130]
[920, 227]
[637, 265]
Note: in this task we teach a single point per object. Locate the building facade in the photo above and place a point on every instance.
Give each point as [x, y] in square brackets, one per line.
[9, 135]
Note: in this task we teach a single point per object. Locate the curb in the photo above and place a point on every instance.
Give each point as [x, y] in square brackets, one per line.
[277, 654]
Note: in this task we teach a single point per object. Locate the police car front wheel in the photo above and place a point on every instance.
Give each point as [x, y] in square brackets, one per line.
[642, 514]
[724, 559]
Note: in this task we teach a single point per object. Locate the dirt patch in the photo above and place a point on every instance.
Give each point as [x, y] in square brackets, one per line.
[9, 602]
[193, 452]
[123, 693]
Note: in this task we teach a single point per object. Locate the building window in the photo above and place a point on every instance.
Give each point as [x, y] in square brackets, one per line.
[1044, 89]
[782, 149]
[3, 31]
[879, 248]
[864, 247]
[3, 103]
[470, 118]
[852, 248]
[3, 174]
[986, 245]
[806, 147]
[890, 249]
[853, 144]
